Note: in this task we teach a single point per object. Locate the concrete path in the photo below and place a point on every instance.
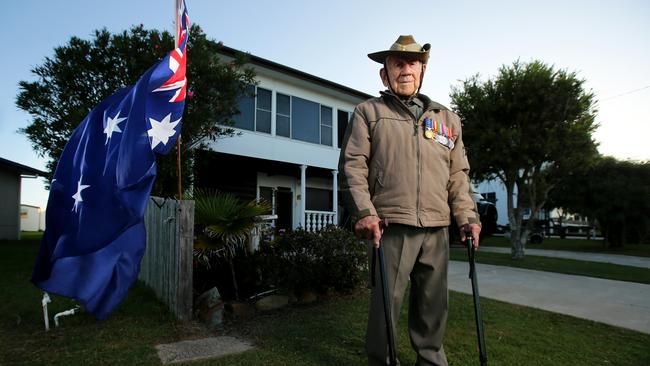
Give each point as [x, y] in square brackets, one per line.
[624, 260]
[618, 303]
[200, 349]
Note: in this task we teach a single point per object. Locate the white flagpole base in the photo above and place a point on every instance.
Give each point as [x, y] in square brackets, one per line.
[44, 301]
[72, 311]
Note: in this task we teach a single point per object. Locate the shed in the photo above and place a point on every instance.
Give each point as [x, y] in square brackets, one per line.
[11, 174]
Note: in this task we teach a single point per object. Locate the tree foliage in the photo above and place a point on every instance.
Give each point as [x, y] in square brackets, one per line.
[529, 128]
[83, 72]
[616, 194]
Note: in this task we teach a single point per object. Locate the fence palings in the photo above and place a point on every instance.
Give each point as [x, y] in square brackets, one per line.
[167, 262]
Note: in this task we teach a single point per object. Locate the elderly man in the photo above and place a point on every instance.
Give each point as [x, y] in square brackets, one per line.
[403, 160]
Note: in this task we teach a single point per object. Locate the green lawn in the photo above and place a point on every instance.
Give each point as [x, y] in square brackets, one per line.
[576, 245]
[328, 333]
[559, 265]
[31, 235]
[126, 338]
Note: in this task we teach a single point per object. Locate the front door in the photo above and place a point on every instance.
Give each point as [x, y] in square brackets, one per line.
[284, 209]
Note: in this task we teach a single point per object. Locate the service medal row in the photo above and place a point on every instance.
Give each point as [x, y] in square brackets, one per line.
[439, 132]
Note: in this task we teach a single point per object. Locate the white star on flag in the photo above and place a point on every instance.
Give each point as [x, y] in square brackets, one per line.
[161, 131]
[77, 196]
[112, 125]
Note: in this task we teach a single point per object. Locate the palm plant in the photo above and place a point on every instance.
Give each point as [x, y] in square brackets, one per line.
[224, 224]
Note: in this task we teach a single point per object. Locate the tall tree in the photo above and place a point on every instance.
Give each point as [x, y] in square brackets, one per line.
[83, 72]
[616, 194]
[529, 127]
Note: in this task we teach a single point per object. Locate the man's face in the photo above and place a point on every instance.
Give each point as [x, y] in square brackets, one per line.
[403, 75]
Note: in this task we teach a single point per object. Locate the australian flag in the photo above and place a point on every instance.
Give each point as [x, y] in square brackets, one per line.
[95, 235]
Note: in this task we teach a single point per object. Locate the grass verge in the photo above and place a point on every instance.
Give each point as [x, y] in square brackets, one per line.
[559, 265]
[574, 245]
[328, 333]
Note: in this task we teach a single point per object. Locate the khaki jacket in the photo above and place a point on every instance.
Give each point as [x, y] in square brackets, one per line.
[391, 170]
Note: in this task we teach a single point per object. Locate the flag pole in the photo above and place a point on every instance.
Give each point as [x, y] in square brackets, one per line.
[178, 141]
[178, 167]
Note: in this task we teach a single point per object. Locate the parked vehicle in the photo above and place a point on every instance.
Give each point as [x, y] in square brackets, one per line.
[488, 215]
[536, 236]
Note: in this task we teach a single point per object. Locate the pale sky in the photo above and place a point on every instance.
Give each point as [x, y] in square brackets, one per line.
[605, 42]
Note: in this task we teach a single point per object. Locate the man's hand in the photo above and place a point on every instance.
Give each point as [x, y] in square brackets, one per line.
[368, 228]
[471, 228]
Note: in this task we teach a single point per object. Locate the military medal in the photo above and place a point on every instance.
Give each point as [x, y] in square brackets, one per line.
[428, 128]
[443, 140]
[443, 135]
[450, 138]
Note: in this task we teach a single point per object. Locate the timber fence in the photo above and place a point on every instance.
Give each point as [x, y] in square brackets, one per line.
[167, 263]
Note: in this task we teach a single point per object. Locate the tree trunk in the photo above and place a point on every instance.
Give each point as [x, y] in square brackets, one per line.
[518, 248]
[560, 230]
[515, 217]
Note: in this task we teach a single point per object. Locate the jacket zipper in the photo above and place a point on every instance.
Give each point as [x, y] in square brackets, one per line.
[416, 127]
[417, 203]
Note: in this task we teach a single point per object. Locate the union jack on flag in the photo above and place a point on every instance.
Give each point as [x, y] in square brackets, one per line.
[95, 235]
[176, 58]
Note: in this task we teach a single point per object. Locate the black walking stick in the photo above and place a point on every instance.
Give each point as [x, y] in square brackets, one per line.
[477, 303]
[384, 293]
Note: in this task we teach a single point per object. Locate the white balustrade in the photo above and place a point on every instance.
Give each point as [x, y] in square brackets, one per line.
[319, 220]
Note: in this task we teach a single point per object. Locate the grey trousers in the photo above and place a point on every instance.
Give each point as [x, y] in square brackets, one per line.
[420, 255]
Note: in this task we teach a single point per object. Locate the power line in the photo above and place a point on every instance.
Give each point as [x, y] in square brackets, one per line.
[625, 93]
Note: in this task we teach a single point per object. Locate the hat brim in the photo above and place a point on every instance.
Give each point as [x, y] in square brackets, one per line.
[380, 56]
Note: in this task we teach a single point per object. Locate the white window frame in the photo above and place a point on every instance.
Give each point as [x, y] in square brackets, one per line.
[320, 125]
[264, 110]
[275, 133]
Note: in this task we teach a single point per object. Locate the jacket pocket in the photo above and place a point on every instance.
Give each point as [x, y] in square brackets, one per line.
[377, 184]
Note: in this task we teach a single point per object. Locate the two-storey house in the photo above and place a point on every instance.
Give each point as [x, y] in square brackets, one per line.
[287, 147]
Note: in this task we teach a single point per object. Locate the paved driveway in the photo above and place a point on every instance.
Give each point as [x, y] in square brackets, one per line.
[623, 304]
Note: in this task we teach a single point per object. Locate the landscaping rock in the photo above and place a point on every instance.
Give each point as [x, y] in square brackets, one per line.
[240, 310]
[307, 297]
[210, 298]
[272, 302]
[210, 308]
[212, 317]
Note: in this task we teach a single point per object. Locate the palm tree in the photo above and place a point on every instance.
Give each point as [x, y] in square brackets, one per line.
[224, 224]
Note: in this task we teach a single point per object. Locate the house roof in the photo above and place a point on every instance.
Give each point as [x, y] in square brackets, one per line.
[24, 205]
[255, 60]
[22, 169]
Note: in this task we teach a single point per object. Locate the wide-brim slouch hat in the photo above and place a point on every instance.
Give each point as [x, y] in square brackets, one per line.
[405, 47]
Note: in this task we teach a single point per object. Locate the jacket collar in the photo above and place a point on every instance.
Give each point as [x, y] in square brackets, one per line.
[428, 103]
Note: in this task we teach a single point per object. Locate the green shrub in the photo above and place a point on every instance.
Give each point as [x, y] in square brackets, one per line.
[314, 261]
[223, 225]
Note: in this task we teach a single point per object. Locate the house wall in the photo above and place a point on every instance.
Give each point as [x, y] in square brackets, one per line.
[31, 218]
[228, 173]
[502, 198]
[499, 189]
[278, 148]
[10, 207]
[276, 160]
[275, 181]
